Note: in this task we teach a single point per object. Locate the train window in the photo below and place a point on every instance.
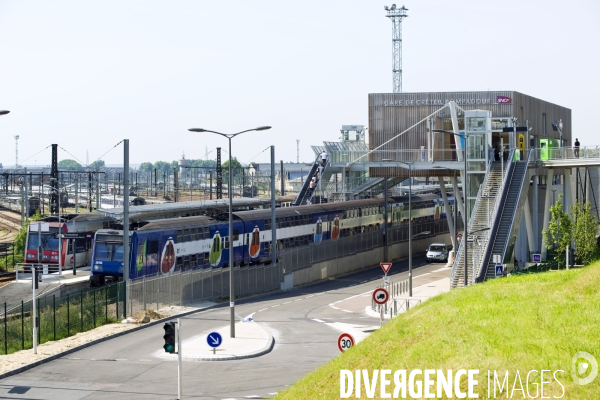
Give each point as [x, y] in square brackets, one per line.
[206, 232]
[186, 235]
[226, 244]
[179, 236]
[206, 258]
[179, 263]
[193, 261]
[236, 234]
[186, 262]
[198, 233]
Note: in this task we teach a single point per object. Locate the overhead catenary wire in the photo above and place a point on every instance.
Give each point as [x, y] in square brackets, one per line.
[22, 162]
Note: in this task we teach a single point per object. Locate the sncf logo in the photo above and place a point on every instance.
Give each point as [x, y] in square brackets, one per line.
[503, 100]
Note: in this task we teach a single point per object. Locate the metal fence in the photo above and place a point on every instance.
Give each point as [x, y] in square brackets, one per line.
[7, 256]
[60, 317]
[194, 286]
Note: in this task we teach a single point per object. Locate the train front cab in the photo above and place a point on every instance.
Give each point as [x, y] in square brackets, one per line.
[107, 256]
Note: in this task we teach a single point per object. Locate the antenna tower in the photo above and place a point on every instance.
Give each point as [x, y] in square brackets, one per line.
[87, 157]
[297, 150]
[396, 15]
[16, 151]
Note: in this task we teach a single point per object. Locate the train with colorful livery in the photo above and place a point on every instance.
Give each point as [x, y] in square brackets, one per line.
[178, 244]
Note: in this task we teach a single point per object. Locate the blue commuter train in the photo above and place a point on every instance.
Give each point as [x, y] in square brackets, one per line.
[177, 244]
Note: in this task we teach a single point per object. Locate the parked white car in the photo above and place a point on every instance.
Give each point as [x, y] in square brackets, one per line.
[437, 252]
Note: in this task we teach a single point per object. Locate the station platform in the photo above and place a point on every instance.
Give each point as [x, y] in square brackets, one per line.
[51, 284]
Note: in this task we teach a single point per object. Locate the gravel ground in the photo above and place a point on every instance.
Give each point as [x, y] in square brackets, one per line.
[48, 349]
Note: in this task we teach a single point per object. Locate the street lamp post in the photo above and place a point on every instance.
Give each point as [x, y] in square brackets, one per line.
[409, 226]
[230, 186]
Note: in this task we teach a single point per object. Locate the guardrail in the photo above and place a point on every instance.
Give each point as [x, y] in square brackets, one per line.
[23, 271]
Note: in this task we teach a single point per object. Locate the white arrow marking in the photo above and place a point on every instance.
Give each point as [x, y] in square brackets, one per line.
[215, 340]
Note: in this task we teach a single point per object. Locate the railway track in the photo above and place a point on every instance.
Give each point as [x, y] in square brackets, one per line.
[7, 277]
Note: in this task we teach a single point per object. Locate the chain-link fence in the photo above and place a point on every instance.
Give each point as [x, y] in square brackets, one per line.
[60, 317]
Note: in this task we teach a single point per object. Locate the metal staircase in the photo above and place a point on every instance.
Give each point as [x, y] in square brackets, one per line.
[506, 222]
[480, 219]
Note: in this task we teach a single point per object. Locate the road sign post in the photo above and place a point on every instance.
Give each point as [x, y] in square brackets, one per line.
[179, 363]
[537, 258]
[345, 342]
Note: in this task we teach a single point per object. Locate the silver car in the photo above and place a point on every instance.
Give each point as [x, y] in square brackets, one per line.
[437, 252]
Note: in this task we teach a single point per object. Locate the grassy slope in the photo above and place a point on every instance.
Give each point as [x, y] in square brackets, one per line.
[520, 323]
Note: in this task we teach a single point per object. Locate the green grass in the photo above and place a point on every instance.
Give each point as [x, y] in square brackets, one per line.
[529, 322]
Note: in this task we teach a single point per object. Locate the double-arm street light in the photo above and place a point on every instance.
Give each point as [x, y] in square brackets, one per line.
[230, 191]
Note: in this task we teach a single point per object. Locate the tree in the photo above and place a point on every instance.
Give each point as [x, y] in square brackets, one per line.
[146, 167]
[97, 164]
[161, 166]
[559, 233]
[584, 231]
[174, 164]
[68, 164]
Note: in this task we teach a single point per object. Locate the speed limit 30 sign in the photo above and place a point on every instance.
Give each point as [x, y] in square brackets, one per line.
[345, 342]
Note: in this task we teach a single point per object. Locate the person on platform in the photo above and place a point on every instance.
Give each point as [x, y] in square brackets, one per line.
[576, 148]
[497, 153]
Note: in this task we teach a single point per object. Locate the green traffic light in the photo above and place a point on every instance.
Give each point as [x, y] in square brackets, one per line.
[169, 337]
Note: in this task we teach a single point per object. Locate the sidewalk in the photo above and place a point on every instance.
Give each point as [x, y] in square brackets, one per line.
[420, 294]
[250, 341]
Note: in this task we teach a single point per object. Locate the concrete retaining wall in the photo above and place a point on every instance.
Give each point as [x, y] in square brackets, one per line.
[355, 262]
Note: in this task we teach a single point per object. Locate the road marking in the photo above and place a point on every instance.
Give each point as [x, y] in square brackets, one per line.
[297, 299]
[332, 306]
[318, 320]
[347, 311]
[364, 281]
[287, 302]
[308, 297]
[318, 294]
[263, 309]
[276, 305]
[345, 318]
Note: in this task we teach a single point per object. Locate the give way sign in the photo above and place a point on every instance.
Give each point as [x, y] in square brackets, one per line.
[386, 266]
[345, 342]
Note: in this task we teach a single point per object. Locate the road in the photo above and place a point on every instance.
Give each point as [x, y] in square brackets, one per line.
[305, 322]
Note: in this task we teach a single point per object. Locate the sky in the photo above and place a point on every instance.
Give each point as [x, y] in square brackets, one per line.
[88, 74]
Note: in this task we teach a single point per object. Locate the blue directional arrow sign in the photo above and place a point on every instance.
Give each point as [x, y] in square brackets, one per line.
[214, 339]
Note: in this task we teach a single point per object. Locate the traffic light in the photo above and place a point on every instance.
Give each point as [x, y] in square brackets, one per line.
[169, 337]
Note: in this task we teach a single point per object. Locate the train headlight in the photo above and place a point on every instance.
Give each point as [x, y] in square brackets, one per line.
[97, 268]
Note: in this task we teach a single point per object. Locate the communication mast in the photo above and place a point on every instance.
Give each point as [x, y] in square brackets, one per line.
[297, 150]
[396, 15]
[16, 151]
